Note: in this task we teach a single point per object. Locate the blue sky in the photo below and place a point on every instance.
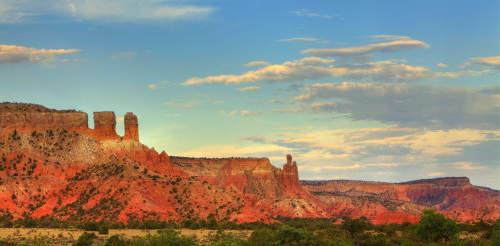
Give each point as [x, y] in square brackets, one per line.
[372, 90]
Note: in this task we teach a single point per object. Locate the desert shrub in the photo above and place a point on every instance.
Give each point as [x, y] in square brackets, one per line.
[36, 241]
[166, 237]
[354, 226]
[115, 240]
[434, 227]
[103, 229]
[226, 239]
[85, 239]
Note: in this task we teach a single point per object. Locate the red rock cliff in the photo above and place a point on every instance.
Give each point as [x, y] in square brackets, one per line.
[131, 127]
[105, 126]
[28, 117]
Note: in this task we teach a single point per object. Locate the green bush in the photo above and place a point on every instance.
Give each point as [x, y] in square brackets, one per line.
[354, 226]
[166, 237]
[85, 239]
[103, 229]
[434, 227]
[115, 241]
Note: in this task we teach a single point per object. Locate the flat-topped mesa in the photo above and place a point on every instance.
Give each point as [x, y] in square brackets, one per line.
[23, 116]
[105, 126]
[131, 127]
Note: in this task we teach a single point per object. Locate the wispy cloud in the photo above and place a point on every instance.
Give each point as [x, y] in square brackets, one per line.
[243, 112]
[300, 40]
[379, 149]
[249, 88]
[257, 64]
[436, 174]
[127, 55]
[489, 62]
[153, 86]
[311, 13]
[17, 54]
[316, 68]
[360, 51]
[442, 65]
[13, 11]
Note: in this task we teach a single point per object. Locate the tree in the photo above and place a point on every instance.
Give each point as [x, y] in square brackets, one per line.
[354, 226]
[434, 227]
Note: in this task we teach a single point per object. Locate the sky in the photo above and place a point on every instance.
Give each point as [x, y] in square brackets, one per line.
[366, 90]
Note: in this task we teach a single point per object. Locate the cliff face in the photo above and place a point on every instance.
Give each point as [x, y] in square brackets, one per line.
[52, 164]
[131, 127]
[386, 202]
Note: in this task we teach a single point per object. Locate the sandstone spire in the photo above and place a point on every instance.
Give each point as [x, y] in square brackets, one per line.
[131, 127]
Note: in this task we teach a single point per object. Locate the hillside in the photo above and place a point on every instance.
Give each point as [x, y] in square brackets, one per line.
[52, 164]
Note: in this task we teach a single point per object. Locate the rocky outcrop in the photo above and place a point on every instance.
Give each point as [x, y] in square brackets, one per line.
[131, 127]
[400, 202]
[52, 164]
[105, 126]
[289, 176]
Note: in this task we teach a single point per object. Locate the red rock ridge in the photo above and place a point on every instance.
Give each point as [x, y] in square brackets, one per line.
[52, 164]
[387, 202]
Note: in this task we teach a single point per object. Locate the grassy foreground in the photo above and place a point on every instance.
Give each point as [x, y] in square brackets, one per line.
[433, 229]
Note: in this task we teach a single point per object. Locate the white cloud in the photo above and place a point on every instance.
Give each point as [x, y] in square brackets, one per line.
[257, 64]
[436, 174]
[14, 11]
[249, 88]
[310, 13]
[359, 51]
[460, 73]
[17, 54]
[489, 62]
[243, 112]
[442, 65]
[389, 149]
[316, 68]
[153, 86]
[299, 40]
[468, 165]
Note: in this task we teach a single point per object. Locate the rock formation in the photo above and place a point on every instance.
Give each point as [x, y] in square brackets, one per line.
[105, 126]
[131, 127]
[52, 164]
[388, 203]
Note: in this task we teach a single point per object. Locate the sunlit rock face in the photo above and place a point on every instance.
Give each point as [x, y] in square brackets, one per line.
[131, 127]
[53, 164]
[387, 202]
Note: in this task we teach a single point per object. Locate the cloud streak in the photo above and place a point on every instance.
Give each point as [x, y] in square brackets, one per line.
[360, 51]
[249, 88]
[95, 10]
[488, 62]
[19, 54]
[309, 68]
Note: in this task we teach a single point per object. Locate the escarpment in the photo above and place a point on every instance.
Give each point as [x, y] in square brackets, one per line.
[52, 164]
